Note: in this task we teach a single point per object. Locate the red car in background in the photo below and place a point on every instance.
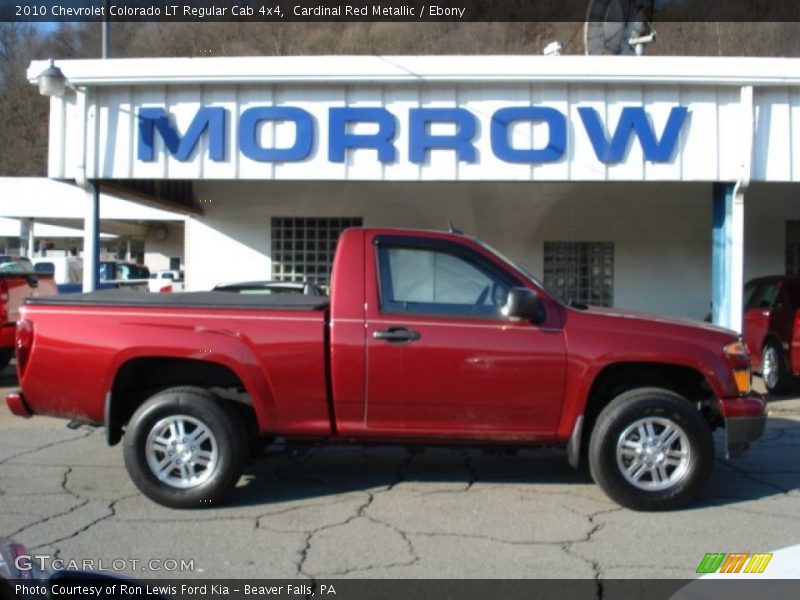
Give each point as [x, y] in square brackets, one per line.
[18, 280]
[771, 325]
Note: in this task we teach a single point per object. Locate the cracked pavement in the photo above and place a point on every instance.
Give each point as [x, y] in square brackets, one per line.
[389, 512]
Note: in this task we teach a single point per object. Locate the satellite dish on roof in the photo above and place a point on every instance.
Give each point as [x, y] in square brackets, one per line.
[618, 26]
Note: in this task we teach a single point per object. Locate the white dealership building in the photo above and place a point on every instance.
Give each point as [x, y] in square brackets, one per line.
[652, 183]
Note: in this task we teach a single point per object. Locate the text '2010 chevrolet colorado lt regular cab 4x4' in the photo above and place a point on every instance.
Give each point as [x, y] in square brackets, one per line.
[428, 337]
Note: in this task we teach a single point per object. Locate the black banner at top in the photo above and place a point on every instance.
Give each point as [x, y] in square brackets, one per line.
[272, 11]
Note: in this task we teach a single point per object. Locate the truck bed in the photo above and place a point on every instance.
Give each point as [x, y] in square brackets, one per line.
[225, 300]
[272, 346]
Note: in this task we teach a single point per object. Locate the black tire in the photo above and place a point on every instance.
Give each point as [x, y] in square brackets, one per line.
[6, 354]
[619, 422]
[774, 373]
[208, 469]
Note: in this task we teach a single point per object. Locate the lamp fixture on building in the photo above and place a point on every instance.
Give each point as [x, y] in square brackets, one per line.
[553, 49]
[52, 81]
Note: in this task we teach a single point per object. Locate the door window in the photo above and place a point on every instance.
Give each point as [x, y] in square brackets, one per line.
[763, 296]
[749, 295]
[435, 282]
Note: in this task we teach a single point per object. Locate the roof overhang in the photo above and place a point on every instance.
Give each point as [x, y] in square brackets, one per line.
[43, 198]
[683, 70]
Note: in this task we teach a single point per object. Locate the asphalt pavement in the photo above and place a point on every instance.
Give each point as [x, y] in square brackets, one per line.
[387, 512]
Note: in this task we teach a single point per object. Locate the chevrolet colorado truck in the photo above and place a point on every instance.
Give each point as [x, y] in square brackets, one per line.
[427, 338]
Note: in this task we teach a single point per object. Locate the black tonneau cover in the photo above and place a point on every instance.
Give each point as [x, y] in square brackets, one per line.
[230, 300]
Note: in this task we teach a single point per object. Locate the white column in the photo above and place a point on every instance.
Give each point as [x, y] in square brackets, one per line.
[736, 260]
[736, 229]
[31, 241]
[26, 239]
[91, 238]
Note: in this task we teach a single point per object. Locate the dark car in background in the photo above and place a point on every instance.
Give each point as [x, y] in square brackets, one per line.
[15, 264]
[113, 274]
[111, 270]
[771, 329]
[272, 287]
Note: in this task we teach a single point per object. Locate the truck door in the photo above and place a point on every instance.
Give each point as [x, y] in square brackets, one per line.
[440, 356]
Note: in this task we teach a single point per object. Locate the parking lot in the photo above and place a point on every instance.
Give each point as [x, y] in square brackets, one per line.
[388, 513]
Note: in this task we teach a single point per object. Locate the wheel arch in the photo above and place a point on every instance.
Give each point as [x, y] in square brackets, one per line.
[618, 378]
[139, 378]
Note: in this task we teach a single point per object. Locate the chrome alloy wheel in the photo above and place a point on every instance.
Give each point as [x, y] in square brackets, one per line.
[769, 367]
[181, 451]
[653, 453]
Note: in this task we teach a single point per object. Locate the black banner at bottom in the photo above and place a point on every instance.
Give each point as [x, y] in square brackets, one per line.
[82, 586]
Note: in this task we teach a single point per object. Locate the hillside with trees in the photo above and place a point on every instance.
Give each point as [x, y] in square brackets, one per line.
[24, 113]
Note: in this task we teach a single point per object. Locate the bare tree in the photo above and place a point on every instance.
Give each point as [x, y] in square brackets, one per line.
[23, 113]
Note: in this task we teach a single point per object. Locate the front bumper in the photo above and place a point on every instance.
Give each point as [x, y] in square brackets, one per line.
[745, 419]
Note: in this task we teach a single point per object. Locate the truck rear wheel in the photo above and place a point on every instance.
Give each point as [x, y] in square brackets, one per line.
[651, 450]
[184, 448]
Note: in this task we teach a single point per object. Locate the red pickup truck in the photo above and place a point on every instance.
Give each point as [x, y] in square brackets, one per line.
[428, 337]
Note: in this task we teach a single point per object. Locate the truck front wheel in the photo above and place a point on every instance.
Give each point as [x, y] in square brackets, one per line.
[184, 448]
[651, 450]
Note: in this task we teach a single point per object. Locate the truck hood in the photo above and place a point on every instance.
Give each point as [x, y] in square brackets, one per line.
[599, 337]
[618, 313]
[625, 330]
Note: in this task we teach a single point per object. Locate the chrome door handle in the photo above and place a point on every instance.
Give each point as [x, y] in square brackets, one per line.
[396, 334]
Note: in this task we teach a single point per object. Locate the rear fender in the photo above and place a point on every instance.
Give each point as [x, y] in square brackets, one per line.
[228, 349]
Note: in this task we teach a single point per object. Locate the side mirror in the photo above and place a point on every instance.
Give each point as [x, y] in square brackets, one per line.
[524, 304]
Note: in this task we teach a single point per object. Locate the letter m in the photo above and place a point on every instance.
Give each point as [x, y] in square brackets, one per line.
[211, 119]
[711, 562]
[734, 562]
[633, 120]
[758, 563]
